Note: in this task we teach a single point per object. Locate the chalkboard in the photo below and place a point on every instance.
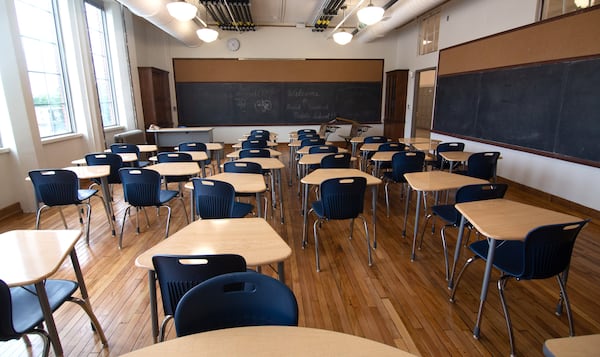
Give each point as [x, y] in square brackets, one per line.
[550, 108]
[250, 103]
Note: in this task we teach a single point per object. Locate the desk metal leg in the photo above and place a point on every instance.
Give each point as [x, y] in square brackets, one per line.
[406, 203]
[278, 172]
[484, 286]
[281, 272]
[49, 319]
[192, 206]
[259, 212]
[203, 168]
[305, 215]
[374, 207]
[153, 305]
[108, 203]
[461, 230]
[218, 155]
[416, 229]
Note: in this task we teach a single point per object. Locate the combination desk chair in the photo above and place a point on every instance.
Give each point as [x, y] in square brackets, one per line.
[197, 146]
[142, 188]
[261, 132]
[336, 161]
[341, 198]
[321, 149]
[21, 314]
[177, 274]
[244, 167]
[106, 158]
[129, 148]
[545, 253]
[388, 146]
[57, 188]
[449, 214]
[402, 162]
[254, 144]
[439, 162]
[258, 136]
[216, 199]
[254, 153]
[482, 165]
[235, 300]
[175, 157]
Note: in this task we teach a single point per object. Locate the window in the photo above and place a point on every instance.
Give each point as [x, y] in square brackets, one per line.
[40, 36]
[97, 32]
[429, 28]
[552, 8]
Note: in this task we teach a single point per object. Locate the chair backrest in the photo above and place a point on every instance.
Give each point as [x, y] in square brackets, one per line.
[336, 161]
[174, 157]
[375, 139]
[236, 300]
[260, 131]
[548, 249]
[254, 144]
[483, 164]
[254, 153]
[343, 198]
[7, 329]
[242, 167]
[312, 142]
[391, 146]
[480, 192]
[214, 199]
[125, 148]
[307, 136]
[55, 187]
[306, 131]
[258, 137]
[177, 274]
[141, 187]
[106, 158]
[406, 161]
[322, 149]
[192, 146]
[449, 146]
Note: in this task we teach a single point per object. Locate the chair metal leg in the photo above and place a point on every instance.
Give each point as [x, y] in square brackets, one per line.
[316, 244]
[387, 199]
[443, 234]
[455, 287]
[95, 323]
[427, 218]
[351, 228]
[45, 337]
[38, 216]
[123, 226]
[563, 292]
[87, 224]
[501, 285]
[163, 325]
[62, 216]
[168, 220]
[368, 239]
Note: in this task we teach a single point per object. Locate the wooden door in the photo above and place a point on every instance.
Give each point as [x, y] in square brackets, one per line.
[395, 103]
[156, 98]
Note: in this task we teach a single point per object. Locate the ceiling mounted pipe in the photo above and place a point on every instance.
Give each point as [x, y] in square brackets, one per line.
[401, 13]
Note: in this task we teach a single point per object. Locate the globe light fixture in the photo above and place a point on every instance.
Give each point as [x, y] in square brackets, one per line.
[582, 3]
[342, 37]
[370, 14]
[181, 10]
[207, 34]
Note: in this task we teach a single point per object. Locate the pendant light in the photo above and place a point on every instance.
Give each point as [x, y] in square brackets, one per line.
[207, 34]
[370, 14]
[182, 10]
[342, 37]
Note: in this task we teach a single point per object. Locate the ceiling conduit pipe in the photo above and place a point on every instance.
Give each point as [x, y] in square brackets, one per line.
[155, 12]
[399, 14]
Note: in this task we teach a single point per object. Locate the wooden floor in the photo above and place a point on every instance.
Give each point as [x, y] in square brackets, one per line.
[396, 301]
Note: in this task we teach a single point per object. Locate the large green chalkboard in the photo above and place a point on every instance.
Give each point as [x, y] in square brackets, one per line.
[250, 103]
[549, 108]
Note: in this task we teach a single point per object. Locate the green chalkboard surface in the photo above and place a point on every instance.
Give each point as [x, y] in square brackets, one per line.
[214, 104]
[550, 108]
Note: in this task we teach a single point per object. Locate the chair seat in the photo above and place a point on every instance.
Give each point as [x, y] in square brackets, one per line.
[388, 175]
[241, 209]
[84, 194]
[26, 306]
[510, 253]
[448, 213]
[166, 195]
[318, 208]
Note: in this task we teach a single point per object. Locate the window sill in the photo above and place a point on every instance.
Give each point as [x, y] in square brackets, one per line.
[114, 128]
[60, 138]
[4, 150]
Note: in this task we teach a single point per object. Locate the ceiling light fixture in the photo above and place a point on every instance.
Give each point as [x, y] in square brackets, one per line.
[342, 37]
[182, 10]
[582, 3]
[207, 34]
[370, 14]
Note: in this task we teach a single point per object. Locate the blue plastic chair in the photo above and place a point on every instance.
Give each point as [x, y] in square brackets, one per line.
[106, 158]
[323, 149]
[21, 314]
[439, 162]
[450, 215]
[311, 142]
[245, 167]
[57, 188]
[402, 162]
[175, 157]
[142, 188]
[197, 146]
[254, 144]
[545, 253]
[482, 165]
[389, 146]
[216, 199]
[258, 136]
[375, 139]
[177, 274]
[254, 153]
[132, 149]
[341, 198]
[336, 161]
[260, 131]
[236, 300]
[305, 131]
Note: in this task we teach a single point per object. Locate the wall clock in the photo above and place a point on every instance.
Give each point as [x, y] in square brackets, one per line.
[233, 44]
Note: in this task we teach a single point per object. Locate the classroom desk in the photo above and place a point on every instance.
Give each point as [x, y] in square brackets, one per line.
[306, 150]
[252, 238]
[417, 140]
[31, 257]
[354, 143]
[144, 148]
[576, 346]
[272, 137]
[294, 146]
[175, 168]
[214, 149]
[319, 175]
[126, 157]
[313, 159]
[197, 156]
[236, 154]
[428, 148]
[432, 181]
[270, 341]
[365, 149]
[242, 183]
[381, 157]
[455, 156]
[275, 166]
[165, 137]
[500, 219]
[270, 144]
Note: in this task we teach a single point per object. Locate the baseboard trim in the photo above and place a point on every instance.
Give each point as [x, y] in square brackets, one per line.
[10, 210]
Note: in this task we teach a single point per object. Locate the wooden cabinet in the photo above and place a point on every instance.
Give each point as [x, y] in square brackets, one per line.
[395, 103]
[156, 98]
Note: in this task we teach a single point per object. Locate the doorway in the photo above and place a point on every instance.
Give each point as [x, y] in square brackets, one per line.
[423, 103]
